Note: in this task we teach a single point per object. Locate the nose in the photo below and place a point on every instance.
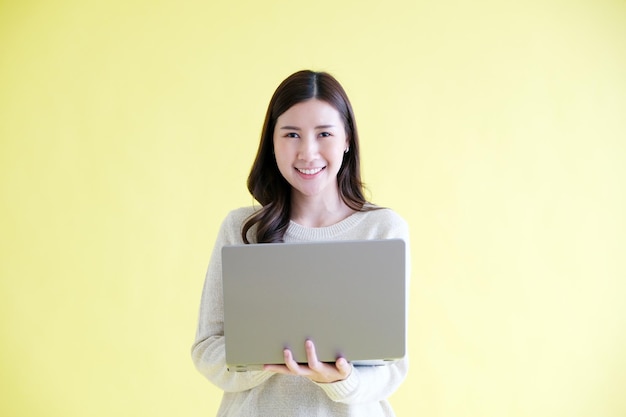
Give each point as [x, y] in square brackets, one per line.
[307, 149]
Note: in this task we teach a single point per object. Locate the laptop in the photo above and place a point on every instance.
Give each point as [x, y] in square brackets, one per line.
[348, 297]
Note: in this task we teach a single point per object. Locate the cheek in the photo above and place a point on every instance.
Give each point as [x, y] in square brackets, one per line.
[282, 159]
[338, 151]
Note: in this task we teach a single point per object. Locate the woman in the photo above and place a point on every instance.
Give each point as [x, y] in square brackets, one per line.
[306, 176]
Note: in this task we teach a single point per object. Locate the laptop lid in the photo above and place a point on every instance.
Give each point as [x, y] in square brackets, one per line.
[348, 297]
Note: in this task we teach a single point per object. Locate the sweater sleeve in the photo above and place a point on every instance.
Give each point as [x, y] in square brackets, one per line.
[368, 384]
[208, 350]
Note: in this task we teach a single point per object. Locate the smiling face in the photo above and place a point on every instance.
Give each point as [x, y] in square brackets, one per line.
[309, 144]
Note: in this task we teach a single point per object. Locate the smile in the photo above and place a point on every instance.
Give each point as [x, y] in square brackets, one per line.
[312, 171]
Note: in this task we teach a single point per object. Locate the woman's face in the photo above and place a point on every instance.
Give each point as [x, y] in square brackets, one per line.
[309, 143]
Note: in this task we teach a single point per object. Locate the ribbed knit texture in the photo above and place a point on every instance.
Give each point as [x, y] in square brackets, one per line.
[261, 393]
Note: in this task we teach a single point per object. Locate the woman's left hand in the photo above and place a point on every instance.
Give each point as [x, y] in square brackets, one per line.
[315, 370]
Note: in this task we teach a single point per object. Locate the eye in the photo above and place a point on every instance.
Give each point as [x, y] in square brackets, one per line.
[292, 135]
[325, 134]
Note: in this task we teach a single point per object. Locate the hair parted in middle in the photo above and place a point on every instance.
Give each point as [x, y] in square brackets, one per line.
[266, 183]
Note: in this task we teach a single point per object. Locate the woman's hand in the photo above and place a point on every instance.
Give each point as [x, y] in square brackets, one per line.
[315, 370]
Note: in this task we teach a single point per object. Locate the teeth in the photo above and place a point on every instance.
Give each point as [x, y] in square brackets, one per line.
[309, 171]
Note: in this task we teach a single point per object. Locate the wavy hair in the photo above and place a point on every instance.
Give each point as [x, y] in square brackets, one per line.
[266, 183]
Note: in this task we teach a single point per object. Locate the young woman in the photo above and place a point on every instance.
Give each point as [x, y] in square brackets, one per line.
[306, 177]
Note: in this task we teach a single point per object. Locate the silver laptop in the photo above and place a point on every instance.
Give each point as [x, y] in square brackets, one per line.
[348, 297]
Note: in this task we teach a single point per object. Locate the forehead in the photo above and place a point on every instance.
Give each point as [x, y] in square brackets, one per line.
[310, 113]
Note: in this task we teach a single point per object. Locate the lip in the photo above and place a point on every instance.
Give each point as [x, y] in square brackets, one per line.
[309, 172]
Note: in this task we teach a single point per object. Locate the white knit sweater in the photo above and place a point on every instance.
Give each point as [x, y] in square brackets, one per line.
[262, 393]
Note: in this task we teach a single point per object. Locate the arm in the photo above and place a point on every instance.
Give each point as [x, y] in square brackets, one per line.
[208, 352]
[341, 381]
[375, 383]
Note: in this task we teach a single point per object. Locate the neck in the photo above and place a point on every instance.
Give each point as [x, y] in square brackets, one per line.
[310, 212]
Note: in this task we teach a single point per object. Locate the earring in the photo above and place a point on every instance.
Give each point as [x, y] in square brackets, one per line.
[347, 149]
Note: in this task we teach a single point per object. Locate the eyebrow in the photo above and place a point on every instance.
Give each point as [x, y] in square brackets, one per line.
[297, 128]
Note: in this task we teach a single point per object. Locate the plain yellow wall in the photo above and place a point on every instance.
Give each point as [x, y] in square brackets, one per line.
[497, 129]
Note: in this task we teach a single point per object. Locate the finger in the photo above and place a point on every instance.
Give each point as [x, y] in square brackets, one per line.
[290, 363]
[311, 354]
[344, 367]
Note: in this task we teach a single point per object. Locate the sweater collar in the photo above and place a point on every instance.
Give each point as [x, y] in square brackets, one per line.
[296, 232]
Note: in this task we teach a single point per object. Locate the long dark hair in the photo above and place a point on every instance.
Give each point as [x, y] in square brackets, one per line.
[265, 182]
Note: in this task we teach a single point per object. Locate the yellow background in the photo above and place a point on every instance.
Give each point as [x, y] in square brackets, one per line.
[496, 128]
